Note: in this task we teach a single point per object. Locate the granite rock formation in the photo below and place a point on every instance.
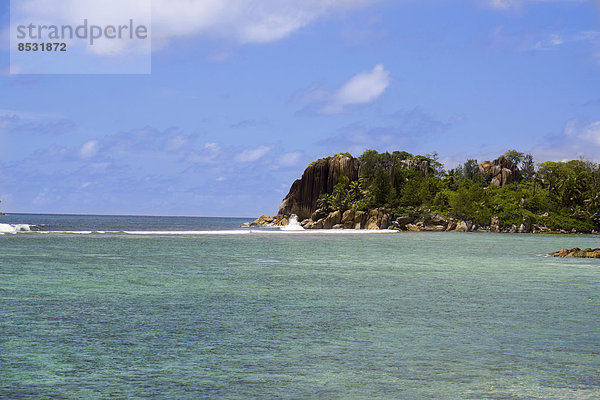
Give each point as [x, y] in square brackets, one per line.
[577, 252]
[502, 170]
[321, 176]
[351, 219]
[318, 178]
[263, 220]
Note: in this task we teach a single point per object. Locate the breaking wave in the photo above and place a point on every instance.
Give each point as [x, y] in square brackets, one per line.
[14, 229]
[293, 225]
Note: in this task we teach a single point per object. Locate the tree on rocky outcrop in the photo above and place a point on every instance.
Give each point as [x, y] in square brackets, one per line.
[527, 167]
[514, 156]
[401, 184]
[401, 155]
[470, 168]
[370, 160]
[325, 202]
[435, 164]
[346, 195]
[379, 189]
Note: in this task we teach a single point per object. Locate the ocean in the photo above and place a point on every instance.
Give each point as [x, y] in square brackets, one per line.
[99, 307]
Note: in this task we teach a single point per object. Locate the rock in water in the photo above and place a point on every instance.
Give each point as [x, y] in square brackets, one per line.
[577, 253]
[264, 220]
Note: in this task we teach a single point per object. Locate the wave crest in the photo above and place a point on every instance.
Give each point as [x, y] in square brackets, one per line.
[14, 229]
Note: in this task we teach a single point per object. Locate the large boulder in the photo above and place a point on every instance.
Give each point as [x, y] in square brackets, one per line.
[360, 219]
[378, 219]
[413, 228]
[372, 222]
[348, 219]
[451, 225]
[526, 226]
[502, 170]
[401, 222]
[318, 214]
[318, 224]
[463, 226]
[495, 224]
[264, 220]
[435, 221]
[335, 218]
[320, 177]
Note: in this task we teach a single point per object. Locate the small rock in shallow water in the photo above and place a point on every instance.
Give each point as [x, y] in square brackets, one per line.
[577, 253]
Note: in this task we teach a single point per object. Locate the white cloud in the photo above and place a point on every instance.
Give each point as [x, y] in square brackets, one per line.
[257, 21]
[89, 149]
[579, 138]
[589, 132]
[251, 155]
[364, 87]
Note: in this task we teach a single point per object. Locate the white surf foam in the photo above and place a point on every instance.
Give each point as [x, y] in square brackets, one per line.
[232, 232]
[14, 229]
[69, 232]
[265, 232]
[293, 224]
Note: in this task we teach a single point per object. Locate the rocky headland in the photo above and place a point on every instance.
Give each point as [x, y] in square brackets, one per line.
[332, 177]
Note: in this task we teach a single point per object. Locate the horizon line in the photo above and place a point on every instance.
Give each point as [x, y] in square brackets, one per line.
[120, 215]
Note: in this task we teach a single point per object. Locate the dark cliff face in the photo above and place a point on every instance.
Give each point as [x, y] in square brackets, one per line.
[321, 177]
[318, 178]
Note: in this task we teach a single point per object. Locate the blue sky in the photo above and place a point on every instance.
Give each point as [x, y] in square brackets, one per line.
[243, 95]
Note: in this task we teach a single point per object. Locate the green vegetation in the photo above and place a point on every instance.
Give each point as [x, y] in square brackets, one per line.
[557, 195]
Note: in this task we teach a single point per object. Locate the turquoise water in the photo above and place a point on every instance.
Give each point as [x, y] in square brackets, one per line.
[296, 315]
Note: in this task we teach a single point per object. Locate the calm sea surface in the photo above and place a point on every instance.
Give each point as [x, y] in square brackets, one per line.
[189, 308]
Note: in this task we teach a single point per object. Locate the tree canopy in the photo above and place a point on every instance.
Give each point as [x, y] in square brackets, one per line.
[558, 195]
